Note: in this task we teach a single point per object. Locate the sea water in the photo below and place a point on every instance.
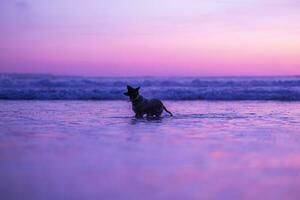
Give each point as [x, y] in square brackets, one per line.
[49, 87]
[97, 150]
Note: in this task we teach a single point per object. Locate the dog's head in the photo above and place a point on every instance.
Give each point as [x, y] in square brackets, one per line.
[132, 93]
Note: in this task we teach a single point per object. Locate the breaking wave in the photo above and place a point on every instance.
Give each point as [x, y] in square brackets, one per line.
[49, 87]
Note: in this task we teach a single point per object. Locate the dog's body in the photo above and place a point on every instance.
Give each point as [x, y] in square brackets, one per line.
[149, 107]
[142, 106]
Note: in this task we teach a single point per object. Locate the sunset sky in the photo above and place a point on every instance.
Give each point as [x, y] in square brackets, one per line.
[154, 37]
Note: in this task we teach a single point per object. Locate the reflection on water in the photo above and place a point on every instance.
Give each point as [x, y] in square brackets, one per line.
[97, 150]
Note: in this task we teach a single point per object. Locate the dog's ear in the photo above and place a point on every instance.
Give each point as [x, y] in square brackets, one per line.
[126, 93]
[129, 87]
[138, 88]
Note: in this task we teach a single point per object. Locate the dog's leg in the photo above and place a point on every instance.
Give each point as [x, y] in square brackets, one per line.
[158, 116]
[150, 116]
[138, 116]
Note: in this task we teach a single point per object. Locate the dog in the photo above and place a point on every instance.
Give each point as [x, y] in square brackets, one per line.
[141, 106]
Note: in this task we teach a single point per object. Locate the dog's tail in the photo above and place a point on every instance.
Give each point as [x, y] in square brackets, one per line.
[167, 111]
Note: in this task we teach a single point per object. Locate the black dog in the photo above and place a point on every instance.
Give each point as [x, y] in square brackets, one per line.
[142, 106]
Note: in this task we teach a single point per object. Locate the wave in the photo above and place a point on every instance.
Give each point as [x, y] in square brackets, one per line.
[49, 87]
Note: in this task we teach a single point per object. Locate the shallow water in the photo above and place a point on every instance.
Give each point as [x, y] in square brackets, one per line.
[97, 150]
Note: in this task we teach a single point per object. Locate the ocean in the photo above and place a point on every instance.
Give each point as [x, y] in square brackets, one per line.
[49, 87]
[76, 138]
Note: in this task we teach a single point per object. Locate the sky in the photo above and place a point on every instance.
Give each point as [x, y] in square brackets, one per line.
[155, 38]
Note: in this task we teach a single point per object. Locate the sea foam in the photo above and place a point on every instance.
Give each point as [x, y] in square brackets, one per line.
[49, 87]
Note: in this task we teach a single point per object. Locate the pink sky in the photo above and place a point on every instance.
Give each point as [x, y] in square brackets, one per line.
[157, 37]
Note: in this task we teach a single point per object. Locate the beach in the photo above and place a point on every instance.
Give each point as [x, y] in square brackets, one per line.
[83, 85]
[59, 149]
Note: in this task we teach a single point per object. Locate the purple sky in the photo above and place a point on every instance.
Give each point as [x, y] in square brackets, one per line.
[157, 37]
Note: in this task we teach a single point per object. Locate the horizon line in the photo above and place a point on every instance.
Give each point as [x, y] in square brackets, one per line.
[149, 76]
